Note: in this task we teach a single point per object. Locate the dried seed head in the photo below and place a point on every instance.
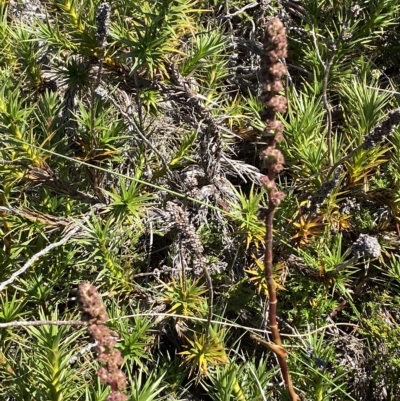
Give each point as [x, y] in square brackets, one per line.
[279, 137]
[90, 304]
[103, 23]
[275, 38]
[187, 232]
[101, 93]
[272, 156]
[323, 192]
[276, 197]
[116, 396]
[273, 127]
[274, 86]
[272, 69]
[382, 130]
[277, 71]
[95, 313]
[267, 183]
[277, 168]
[278, 104]
[367, 246]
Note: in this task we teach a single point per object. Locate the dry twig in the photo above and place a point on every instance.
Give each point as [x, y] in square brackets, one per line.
[38, 255]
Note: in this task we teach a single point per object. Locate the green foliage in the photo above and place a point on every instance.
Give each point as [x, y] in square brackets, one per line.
[146, 150]
[204, 351]
[245, 211]
[184, 297]
[147, 390]
[44, 370]
[150, 32]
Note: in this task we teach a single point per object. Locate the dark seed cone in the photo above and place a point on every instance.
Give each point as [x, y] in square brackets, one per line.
[383, 130]
[103, 23]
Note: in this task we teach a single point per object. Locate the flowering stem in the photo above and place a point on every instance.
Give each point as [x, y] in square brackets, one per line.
[272, 70]
[94, 312]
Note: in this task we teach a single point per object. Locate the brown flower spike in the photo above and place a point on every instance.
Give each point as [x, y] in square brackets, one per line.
[94, 312]
[272, 71]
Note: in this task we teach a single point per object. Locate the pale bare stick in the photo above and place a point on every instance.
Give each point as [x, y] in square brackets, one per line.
[38, 255]
[42, 323]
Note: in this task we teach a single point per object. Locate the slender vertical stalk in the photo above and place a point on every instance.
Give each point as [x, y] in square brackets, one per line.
[272, 71]
[273, 302]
